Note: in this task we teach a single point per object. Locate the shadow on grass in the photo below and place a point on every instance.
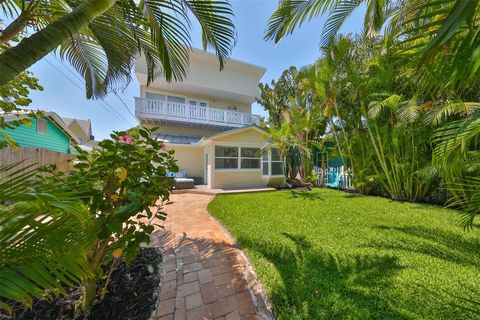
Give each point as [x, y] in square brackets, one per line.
[436, 243]
[444, 245]
[306, 195]
[320, 285]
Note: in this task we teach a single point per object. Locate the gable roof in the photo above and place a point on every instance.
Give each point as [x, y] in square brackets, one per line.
[85, 125]
[231, 132]
[52, 116]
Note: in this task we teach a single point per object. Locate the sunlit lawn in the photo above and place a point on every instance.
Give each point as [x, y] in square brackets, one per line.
[328, 254]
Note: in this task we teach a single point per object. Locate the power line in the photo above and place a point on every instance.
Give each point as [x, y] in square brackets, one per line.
[101, 103]
[82, 81]
[125, 105]
[106, 106]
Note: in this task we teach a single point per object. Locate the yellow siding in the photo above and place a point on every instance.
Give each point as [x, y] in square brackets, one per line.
[251, 136]
[189, 159]
[184, 131]
[275, 182]
[238, 179]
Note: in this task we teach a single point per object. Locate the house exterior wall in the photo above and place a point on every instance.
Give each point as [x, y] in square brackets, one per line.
[54, 139]
[189, 159]
[75, 128]
[245, 137]
[183, 131]
[238, 80]
[212, 102]
[238, 178]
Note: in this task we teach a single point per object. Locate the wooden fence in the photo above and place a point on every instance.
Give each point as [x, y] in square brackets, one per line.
[334, 177]
[37, 157]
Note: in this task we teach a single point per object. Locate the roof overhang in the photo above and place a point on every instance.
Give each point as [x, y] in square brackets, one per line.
[55, 118]
[237, 82]
[254, 127]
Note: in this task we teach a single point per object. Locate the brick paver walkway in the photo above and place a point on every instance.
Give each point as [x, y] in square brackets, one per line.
[204, 275]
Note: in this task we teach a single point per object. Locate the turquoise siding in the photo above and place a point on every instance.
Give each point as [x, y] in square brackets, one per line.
[54, 139]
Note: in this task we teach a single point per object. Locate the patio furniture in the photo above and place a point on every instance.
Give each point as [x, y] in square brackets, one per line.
[181, 180]
[334, 180]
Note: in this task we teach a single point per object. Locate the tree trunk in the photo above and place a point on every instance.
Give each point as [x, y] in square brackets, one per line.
[19, 58]
[14, 28]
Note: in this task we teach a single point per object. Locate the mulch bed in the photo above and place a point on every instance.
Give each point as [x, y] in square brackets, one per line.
[132, 294]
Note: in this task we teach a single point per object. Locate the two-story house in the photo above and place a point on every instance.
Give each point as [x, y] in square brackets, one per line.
[207, 119]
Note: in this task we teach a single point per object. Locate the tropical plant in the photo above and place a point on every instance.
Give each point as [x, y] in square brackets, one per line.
[123, 181]
[101, 39]
[57, 230]
[440, 36]
[274, 98]
[457, 155]
[45, 235]
[13, 97]
[295, 122]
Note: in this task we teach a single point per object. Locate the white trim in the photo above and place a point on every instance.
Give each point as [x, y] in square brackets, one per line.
[238, 157]
[238, 144]
[269, 161]
[268, 165]
[237, 170]
[237, 130]
[189, 145]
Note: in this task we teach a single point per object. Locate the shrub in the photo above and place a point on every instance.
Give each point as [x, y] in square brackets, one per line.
[119, 184]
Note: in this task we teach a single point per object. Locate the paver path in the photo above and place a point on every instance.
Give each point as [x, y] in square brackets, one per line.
[204, 275]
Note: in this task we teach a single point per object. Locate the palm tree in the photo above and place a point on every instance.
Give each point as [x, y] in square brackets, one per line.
[101, 39]
[442, 36]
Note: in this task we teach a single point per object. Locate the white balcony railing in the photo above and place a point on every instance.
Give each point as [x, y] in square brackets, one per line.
[158, 109]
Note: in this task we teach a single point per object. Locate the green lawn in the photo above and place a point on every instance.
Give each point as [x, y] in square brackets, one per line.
[326, 254]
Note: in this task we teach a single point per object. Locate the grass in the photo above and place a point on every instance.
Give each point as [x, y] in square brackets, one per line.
[326, 254]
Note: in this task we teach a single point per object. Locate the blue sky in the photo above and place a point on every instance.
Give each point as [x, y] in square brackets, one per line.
[64, 93]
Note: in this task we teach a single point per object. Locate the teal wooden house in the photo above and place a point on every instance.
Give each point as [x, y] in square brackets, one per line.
[49, 132]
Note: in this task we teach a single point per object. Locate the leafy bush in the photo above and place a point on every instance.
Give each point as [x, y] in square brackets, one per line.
[119, 184]
[123, 180]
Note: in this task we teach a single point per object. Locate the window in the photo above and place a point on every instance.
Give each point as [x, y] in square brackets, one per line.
[237, 158]
[175, 99]
[41, 126]
[226, 157]
[265, 164]
[250, 158]
[198, 103]
[155, 96]
[272, 163]
[276, 162]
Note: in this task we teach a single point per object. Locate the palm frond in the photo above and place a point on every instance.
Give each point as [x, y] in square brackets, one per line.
[105, 51]
[466, 197]
[445, 111]
[43, 238]
[218, 30]
[455, 137]
[384, 109]
[340, 12]
[291, 14]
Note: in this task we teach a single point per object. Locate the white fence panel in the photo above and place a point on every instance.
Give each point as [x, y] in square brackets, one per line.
[334, 177]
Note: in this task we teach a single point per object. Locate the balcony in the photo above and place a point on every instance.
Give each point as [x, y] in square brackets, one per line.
[158, 111]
